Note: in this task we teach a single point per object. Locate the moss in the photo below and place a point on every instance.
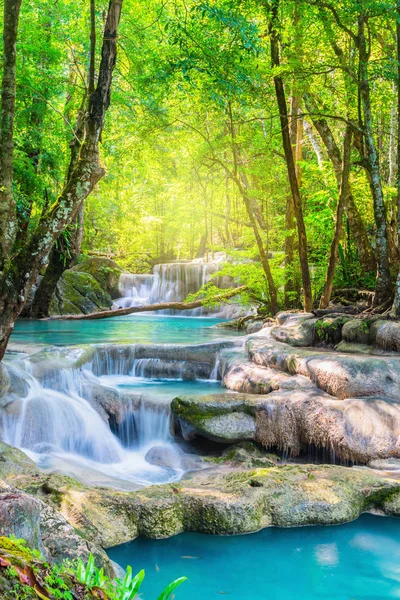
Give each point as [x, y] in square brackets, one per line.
[78, 293]
[105, 271]
[329, 330]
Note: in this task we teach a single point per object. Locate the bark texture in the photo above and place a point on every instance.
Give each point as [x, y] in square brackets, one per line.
[383, 279]
[8, 220]
[29, 259]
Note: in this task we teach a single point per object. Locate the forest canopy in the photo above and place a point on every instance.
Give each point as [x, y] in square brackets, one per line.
[267, 130]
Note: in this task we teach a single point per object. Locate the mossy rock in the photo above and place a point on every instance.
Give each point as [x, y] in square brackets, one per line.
[105, 271]
[79, 293]
[328, 331]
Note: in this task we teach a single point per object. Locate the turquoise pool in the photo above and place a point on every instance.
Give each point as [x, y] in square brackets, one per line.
[143, 329]
[356, 561]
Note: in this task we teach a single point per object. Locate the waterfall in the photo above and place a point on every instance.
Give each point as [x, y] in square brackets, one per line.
[61, 424]
[47, 420]
[172, 282]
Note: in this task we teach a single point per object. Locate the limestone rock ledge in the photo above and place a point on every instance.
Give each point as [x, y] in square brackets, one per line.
[219, 500]
[355, 429]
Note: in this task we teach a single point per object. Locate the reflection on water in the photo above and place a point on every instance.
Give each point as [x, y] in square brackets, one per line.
[356, 561]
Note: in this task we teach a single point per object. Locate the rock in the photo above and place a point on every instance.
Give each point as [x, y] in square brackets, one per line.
[4, 380]
[20, 517]
[215, 501]
[232, 502]
[341, 375]
[170, 457]
[292, 318]
[358, 430]
[386, 335]
[225, 421]
[354, 348]
[78, 293]
[247, 455]
[105, 271]
[163, 456]
[385, 464]
[26, 517]
[295, 331]
[329, 331]
[254, 326]
[356, 331]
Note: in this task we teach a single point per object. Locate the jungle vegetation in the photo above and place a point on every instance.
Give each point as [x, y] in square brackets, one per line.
[172, 129]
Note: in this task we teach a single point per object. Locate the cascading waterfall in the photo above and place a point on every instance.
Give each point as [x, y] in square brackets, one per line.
[173, 282]
[56, 424]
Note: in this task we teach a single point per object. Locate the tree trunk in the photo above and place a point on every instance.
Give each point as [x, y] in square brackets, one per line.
[395, 312]
[343, 194]
[120, 312]
[60, 259]
[8, 217]
[358, 230]
[263, 254]
[383, 279]
[294, 187]
[23, 270]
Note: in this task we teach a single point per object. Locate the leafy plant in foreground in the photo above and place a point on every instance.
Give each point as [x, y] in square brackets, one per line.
[118, 589]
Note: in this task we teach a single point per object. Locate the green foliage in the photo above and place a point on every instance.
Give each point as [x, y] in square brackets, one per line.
[33, 577]
[118, 589]
[193, 121]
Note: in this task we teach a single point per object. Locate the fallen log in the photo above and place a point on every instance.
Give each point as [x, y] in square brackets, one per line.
[120, 312]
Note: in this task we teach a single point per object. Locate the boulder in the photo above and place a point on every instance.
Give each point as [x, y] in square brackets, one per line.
[231, 501]
[78, 293]
[386, 335]
[105, 271]
[295, 331]
[356, 331]
[218, 500]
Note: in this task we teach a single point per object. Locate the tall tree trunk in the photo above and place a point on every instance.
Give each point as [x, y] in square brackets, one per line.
[395, 312]
[383, 279]
[294, 187]
[358, 230]
[27, 261]
[343, 194]
[8, 217]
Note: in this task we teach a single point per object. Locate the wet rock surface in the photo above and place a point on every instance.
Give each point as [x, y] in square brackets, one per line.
[219, 500]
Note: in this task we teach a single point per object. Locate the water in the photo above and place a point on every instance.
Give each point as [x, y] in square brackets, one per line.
[57, 418]
[143, 329]
[356, 561]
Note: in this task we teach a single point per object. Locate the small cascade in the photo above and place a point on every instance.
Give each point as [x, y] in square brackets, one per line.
[46, 420]
[215, 373]
[62, 425]
[173, 282]
[135, 289]
[145, 425]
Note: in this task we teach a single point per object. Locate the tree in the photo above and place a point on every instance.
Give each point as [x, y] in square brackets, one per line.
[21, 262]
[287, 147]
